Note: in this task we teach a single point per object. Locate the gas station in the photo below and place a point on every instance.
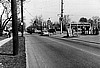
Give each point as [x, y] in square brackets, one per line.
[83, 29]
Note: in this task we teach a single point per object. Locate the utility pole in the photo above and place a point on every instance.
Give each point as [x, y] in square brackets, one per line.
[61, 16]
[22, 17]
[14, 27]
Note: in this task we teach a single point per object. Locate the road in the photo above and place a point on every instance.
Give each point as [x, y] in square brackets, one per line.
[46, 52]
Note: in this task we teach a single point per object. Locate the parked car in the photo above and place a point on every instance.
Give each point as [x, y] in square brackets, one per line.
[5, 32]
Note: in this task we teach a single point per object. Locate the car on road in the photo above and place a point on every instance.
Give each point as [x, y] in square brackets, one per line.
[53, 31]
[45, 33]
[30, 30]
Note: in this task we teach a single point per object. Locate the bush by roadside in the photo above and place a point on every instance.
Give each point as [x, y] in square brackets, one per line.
[7, 60]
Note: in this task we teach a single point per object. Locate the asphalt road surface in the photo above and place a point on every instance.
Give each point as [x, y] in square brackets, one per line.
[46, 52]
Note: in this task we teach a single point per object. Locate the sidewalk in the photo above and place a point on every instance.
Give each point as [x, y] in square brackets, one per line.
[2, 42]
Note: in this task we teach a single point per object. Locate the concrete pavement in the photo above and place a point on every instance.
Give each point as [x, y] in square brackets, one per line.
[44, 52]
[2, 42]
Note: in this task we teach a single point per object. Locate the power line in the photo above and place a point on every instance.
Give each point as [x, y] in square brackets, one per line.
[29, 12]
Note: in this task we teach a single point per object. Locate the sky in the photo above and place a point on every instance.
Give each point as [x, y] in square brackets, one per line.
[51, 8]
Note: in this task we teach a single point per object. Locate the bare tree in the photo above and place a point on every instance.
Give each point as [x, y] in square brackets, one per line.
[37, 21]
[7, 11]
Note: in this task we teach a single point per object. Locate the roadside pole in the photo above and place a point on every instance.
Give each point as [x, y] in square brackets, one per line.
[61, 16]
[22, 16]
[14, 27]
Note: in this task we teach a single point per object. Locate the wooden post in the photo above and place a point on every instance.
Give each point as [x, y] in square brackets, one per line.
[61, 16]
[22, 16]
[14, 27]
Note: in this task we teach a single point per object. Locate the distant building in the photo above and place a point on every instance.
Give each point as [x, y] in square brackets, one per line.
[79, 25]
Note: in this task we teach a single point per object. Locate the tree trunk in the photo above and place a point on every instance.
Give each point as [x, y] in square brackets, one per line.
[14, 27]
[67, 33]
[67, 30]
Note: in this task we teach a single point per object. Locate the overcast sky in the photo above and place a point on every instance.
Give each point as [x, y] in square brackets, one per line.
[50, 8]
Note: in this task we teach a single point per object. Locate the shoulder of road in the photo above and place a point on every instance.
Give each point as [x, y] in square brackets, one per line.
[86, 38]
[92, 40]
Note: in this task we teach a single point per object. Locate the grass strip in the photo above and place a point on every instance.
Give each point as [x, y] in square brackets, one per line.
[7, 60]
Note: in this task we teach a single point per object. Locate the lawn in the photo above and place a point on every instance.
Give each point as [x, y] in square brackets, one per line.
[2, 37]
[7, 60]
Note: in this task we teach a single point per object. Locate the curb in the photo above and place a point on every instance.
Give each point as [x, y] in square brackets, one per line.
[27, 66]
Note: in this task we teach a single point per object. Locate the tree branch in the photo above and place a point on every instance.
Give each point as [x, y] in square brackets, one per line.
[6, 21]
[3, 12]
